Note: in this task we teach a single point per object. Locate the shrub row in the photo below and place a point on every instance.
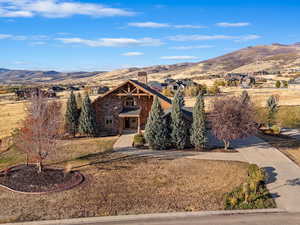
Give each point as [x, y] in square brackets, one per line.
[252, 194]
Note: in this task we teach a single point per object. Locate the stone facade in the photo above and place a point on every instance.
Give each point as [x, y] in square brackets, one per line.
[109, 107]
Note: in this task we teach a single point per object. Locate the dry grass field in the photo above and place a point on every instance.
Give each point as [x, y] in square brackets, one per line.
[13, 112]
[117, 184]
[259, 96]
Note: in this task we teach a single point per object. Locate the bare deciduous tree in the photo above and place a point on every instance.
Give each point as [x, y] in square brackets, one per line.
[40, 130]
[232, 119]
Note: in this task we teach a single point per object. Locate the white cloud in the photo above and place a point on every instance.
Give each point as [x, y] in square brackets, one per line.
[189, 26]
[112, 42]
[213, 37]
[248, 38]
[181, 57]
[162, 25]
[132, 53]
[188, 47]
[57, 9]
[5, 36]
[240, 24]
[199, 37]
[13, 37]
[149, 25]
[36, 43]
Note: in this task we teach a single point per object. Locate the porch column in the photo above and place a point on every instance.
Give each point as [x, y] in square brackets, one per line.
[139, 124]
[121, 124]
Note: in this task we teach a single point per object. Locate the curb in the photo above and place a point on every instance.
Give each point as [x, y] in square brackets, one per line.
[128, 218]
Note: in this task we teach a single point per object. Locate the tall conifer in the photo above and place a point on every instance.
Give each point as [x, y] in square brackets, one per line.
[179, 129]
[71, 116]
[87, 120]
[199, 130]
[156, 131]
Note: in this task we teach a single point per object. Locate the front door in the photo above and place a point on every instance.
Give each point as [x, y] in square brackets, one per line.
[130, 123]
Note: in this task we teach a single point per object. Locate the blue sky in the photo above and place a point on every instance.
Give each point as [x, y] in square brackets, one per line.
[90, 35]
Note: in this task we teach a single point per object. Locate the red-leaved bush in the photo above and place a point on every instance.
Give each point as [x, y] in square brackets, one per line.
[232, 118]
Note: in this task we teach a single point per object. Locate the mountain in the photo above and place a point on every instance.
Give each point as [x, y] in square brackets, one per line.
[27, 76]
[270, 58]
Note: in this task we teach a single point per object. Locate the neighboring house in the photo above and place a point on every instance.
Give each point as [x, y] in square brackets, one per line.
[96, 90]
[244, 80]
[127, 106]
[155, 85]
[27, 93]
[73, 88]
[181, 84]
[56, 89]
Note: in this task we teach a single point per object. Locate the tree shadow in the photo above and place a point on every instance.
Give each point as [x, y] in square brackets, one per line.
[293, 182]
[270, 174]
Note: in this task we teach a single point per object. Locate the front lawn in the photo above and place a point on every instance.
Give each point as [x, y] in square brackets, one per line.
[117, 184]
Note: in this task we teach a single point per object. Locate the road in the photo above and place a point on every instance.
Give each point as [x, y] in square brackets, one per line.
[246, 219]
[236, 219]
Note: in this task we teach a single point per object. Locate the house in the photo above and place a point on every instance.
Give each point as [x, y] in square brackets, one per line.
[96, 90]
[244, 80]
[127, 106]
[27, 93]
[155, 85]
[56, 89]
[180, 84]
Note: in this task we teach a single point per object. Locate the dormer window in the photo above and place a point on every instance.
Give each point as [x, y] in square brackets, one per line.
[130, 102]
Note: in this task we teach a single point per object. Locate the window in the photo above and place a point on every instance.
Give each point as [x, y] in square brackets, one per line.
[130, 102]
[109, 121]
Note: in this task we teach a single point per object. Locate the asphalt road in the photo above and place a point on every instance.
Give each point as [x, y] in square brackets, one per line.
[256, 219]
[237, 219]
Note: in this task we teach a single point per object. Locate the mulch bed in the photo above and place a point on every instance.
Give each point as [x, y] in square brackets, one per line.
[25, 178]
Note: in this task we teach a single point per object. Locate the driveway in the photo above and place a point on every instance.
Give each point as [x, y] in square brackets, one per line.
[283, 175]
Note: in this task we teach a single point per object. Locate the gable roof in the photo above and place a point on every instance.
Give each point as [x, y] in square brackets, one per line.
[143, 87]
[151, 91]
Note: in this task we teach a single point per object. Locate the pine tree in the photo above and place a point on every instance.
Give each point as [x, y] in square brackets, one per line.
[87, 120]
[179, 130]
[180, 98]
[245, 98]
[71, 116]
[156, 132]
[198, 130]
[272, 105]
[79, 100]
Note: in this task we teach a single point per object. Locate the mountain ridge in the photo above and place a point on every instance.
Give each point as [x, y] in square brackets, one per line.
[270, 58]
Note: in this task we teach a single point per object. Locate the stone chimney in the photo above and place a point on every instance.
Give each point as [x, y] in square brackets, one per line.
[142, 77]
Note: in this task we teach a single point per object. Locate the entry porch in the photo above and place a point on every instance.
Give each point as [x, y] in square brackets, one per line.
[130, 120]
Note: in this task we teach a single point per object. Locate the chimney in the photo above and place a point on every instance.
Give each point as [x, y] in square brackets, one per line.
[142, 77]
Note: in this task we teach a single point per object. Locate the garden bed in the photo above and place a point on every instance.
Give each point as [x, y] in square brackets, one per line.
[26, 179]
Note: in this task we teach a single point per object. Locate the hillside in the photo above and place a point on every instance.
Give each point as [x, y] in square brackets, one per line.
[27, 76]
[270, 58]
